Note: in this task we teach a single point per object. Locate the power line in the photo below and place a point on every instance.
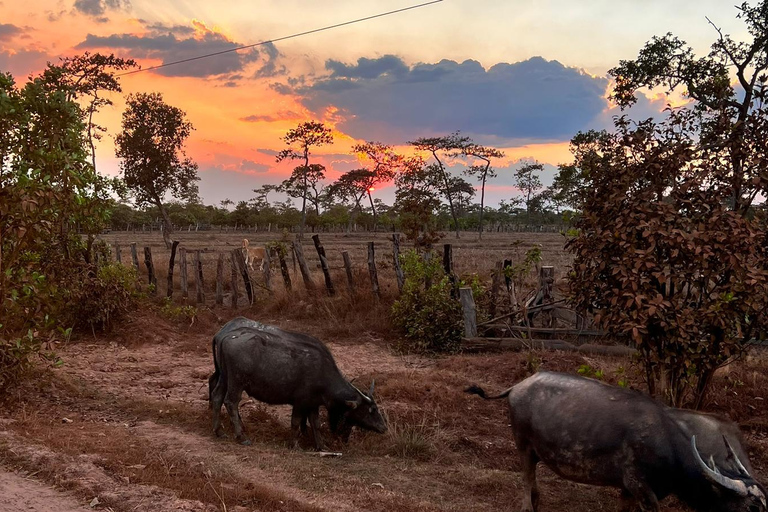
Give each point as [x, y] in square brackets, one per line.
[299, 34]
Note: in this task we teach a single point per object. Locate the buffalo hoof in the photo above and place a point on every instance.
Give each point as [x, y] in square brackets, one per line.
[245, 442]
[220, 435]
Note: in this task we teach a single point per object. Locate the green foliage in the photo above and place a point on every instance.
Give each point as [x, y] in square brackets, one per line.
[47, 189]
[188, 313]
[428, 317]
[151, 149]
[586, 370]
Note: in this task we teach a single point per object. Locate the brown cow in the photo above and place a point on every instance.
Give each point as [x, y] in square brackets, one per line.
[254, 254]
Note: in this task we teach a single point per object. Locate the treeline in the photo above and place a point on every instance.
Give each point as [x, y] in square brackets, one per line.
[281, 216]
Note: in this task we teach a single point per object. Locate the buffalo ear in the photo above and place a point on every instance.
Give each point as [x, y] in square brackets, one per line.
[352, 404]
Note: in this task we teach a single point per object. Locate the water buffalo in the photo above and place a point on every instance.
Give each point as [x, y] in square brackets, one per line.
[282, 367]
[593, 433]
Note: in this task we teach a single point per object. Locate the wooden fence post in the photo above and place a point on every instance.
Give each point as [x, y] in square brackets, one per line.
[324, 264]
[498, 271]
[348, 268]
[238, 255]
[170, 267]
[372, 270]
[267, 269]
[448, 267]
[135, 256]
[284, 269]
[235, 291]
[220, 279]
[118, 254]
[396, 260]
[183, 272]
[470, 315]
[199, 278]
[303, 265]
[150, 269]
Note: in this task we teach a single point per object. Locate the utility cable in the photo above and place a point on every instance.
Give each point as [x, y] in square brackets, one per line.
[299, 34]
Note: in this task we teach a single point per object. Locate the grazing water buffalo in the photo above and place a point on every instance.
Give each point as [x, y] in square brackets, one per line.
[593, 433]
[282, 367]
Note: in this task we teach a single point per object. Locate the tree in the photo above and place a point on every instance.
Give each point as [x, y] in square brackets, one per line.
[729, 121]
[305, 183]
[417, 198]
[300, 141]
[350, 188]
[528, 181]
[482, 172]
[88, 75]
[151, 147]
[669, 250]
[567, 188]
[386, 164]
[448, 145]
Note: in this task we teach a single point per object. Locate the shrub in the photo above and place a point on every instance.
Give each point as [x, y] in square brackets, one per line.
[97, 299]
[428, 317]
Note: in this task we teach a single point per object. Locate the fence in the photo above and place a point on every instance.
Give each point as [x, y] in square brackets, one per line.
[233, 275]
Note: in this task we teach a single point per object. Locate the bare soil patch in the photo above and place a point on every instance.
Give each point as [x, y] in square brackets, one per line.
[126, 420]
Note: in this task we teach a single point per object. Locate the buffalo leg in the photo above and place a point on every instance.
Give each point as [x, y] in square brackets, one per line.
[314, 422]
[637, 493]
[232, 402]
[217, 400]
[530, 488]
[298, 425]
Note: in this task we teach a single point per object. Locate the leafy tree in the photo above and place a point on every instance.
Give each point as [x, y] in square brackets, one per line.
[483, 172]
[385, 164]
[567, 188]
[300, 141]
[730, 121]
[668, 248]
[417, 199]
[88, 75]
[528, 181]
[350, 189]
[151, 147]
[446, 147]
[305, 183]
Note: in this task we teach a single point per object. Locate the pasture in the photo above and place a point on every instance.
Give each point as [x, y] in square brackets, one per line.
[124, 425]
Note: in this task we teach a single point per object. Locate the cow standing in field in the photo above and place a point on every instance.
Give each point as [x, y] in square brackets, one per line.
[593, 433]
[253, 255]
[282, 367]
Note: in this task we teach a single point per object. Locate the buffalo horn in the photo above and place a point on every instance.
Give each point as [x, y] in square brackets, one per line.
[714, 476]
[363, 395]
[732, 453]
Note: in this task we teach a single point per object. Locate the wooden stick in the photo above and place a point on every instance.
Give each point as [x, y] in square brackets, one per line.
[170, 268]
[118, 253]
[150, 269]
[299, 252]
[324, 264]
[135, 256]
[470, 312]
[238, 254]
[348, 269]
[199, 278]
[267, 270]
[396, 260]
[183, 272]
[284, 270]
[233, 283]
[220, 279]
[372, 270]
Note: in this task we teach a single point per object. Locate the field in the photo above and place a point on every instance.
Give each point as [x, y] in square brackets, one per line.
[124, 425]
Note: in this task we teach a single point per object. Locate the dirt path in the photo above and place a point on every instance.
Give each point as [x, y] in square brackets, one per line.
[18, 494]
[126, 421]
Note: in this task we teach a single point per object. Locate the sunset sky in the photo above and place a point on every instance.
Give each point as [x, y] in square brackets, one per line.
[523, 76]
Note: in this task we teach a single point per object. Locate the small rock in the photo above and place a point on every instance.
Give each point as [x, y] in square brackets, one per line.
[95, 501]
[377, 484]
[66, 420]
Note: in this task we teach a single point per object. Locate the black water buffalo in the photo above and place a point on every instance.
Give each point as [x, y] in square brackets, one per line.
[593, 433]
[282, 367]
